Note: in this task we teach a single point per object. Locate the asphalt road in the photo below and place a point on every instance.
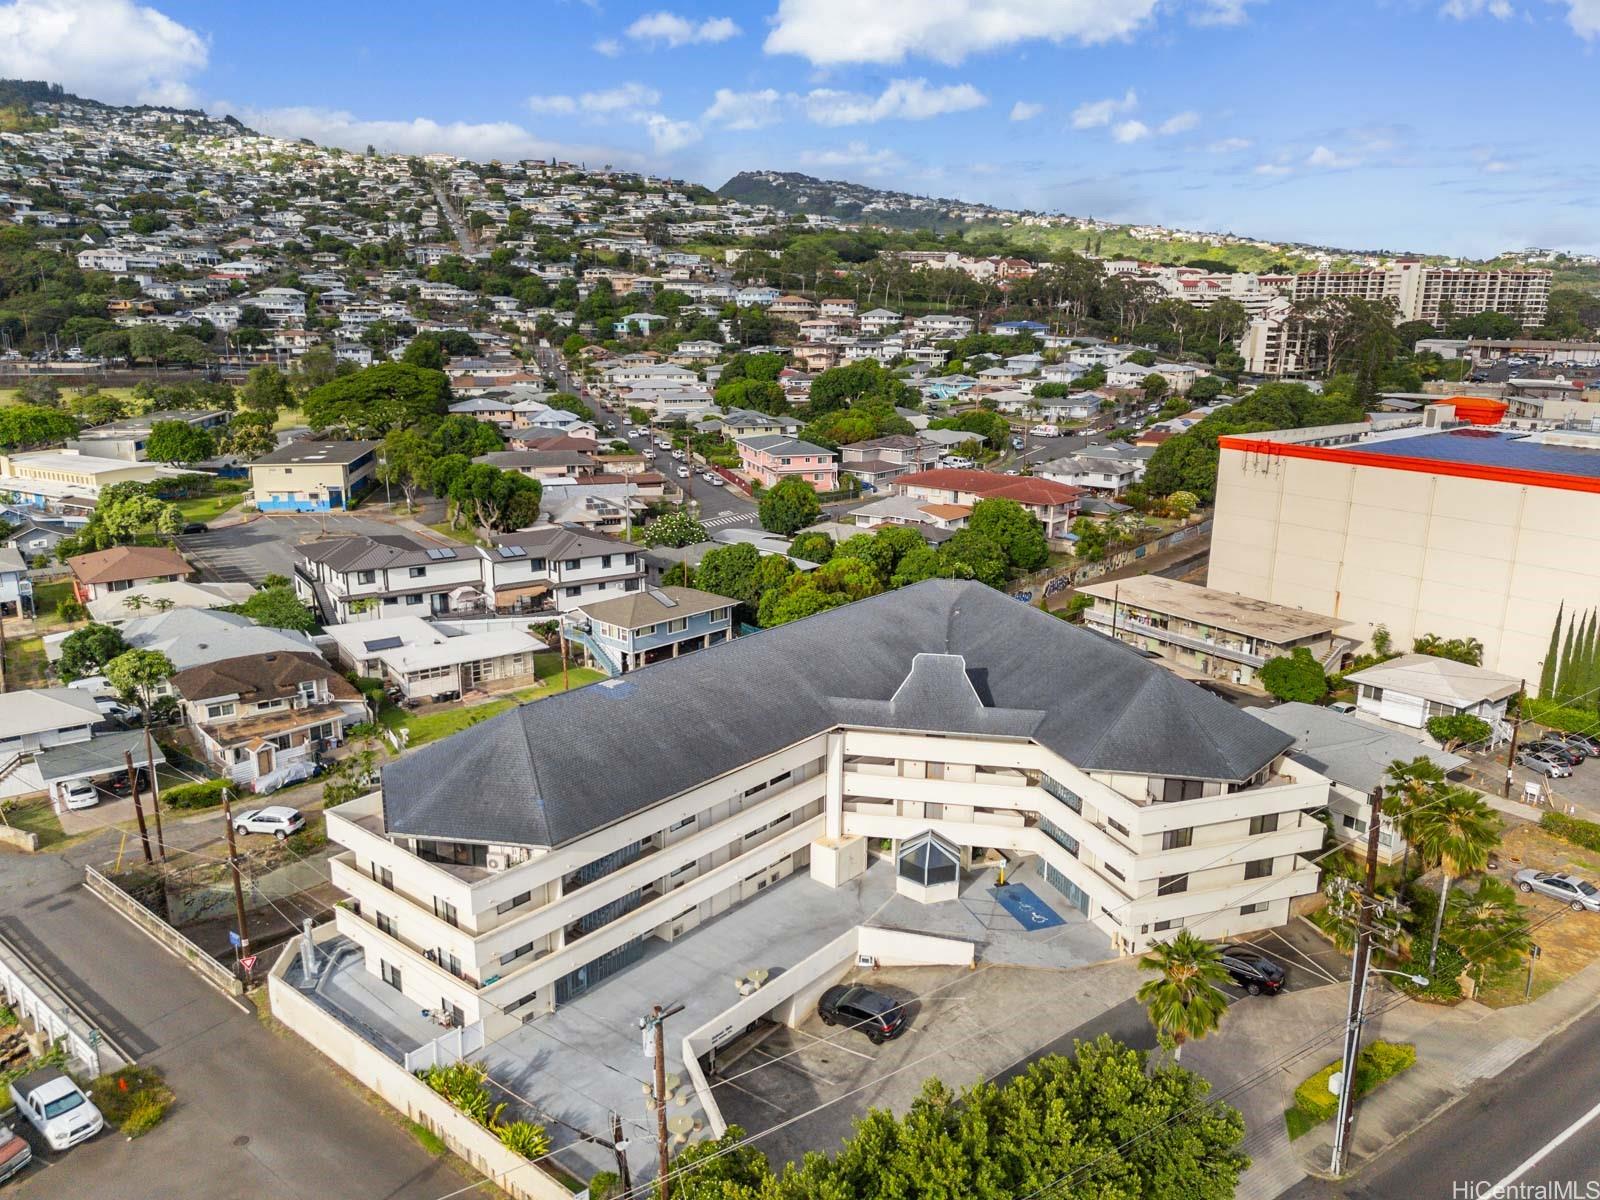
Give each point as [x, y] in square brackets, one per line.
[1532, 1129]
[259, 1116]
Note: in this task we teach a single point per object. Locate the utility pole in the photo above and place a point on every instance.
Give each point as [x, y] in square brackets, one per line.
[1516, 728]
[138, 807]
[155, 788]
[238, 887]
[620, 1145]
[655, 1024]
[1358, 990]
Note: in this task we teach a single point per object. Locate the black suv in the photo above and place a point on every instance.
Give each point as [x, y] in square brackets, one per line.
[876, 1015]
[1253, 970]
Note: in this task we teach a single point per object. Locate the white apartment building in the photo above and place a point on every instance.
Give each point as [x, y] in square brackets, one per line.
[1420, 291]
[516, 865]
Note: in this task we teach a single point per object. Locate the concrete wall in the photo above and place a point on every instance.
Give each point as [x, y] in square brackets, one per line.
[203, 965]
[374, 1070]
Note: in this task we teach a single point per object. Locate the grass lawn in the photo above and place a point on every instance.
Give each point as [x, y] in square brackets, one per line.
[430, 727]
[37, 818]
[209, 508]
[14, 395]
[444, 530]
[289, 418]
[46, 598]
[25, 663]
[548, 667]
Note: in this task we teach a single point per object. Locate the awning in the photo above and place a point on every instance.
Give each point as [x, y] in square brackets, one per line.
[101, 755]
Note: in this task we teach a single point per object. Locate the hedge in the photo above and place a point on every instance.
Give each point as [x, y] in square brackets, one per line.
[1314, 1103]
[195, 795]
[1558, 716]
[1572, 829]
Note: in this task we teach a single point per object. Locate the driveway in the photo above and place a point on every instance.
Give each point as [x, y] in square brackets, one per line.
[251, 550]
[259, 1116]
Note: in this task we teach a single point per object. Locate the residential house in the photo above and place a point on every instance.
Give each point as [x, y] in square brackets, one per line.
[837, 307]
[1413, 689]
[876, 321]
[632, 631]
[192, 637]
[38, 718]
[386, 575]
[936, 520]
[116, 607]
[974, 718]
[1210, 634]
[767, 458]
[127, 439]
[425, 660]
[255, 716]
[740, 422]
[541, 464]
[792, 308]
[943, 325]
[313, 476]
[533, 569]
[124, 568]
[1054, 504]
[16, 589]
[879, 461]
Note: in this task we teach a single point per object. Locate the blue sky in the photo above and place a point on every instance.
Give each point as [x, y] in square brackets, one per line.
[1453, 126]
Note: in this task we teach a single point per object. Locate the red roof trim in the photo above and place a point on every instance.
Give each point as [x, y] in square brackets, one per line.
[1424, 466]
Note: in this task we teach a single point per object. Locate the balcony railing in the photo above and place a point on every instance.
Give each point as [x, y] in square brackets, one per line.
[1203, 645]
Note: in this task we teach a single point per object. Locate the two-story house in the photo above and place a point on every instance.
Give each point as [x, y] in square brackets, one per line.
[768, 458]
[553, 565]
[879, 461]
[741, 422]
[255, 715]
[634, 630]
[124, 568]
[313, 476]
[1055, 504]
[388, 575]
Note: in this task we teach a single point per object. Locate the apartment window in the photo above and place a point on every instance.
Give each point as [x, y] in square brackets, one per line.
[1265, 823]
[1110, 870]
[683, 824]
[1173, 790]
[1118, 826]
[1177, 839]
[416, 572]
[677, 625]
[307, 689]
[1169, 923]
[445, 911]
[511, 956]
[213, 711]
[413, 599]
[390, 974]
[383, 875]
[386, 925]
[1171, 885]
[605, 560]
[516, 901]
[366, 576]
[1259, 869]
[1246, 909]
[571, 564]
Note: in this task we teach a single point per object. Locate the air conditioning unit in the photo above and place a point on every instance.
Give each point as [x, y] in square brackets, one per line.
[495, 862]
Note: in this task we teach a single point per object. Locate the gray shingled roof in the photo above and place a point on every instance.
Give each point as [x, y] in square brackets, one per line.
[361, 552]
[547, 773]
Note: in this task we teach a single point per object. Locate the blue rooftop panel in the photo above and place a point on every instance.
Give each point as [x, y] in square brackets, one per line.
[1490, 448]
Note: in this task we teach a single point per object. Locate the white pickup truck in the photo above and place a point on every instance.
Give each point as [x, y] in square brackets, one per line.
[55, 1106]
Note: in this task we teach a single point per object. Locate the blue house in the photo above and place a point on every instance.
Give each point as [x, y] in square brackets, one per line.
[633, 630]
[313, 476]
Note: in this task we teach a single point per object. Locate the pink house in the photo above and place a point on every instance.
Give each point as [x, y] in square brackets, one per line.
[768, 458]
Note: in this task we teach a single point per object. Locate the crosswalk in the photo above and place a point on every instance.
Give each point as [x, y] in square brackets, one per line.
[726, 519]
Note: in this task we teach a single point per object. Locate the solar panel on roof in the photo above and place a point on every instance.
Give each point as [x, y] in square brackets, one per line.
[511, 551]
[384, 643]
[446, 552]
[662, 598]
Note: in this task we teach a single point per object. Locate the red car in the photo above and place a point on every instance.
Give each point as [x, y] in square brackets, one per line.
[15, 1154]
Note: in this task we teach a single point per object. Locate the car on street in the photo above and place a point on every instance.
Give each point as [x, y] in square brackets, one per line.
[1578, 894]
[1252, 970]
[110, 706]
[1016, 443]
[718, 481]
[879, 1016]
[195, 527]
[15, 1153]
[683, 472]
[1550, 748]
[80, 793]
[277, 819]
[678, 454]
[55, 1106]
[1539, 764]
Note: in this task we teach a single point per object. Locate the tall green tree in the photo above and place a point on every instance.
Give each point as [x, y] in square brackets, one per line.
[1184, 1000]
[179, 442]
[1459, 831]
[1018, 533]
[1407, 788]
[788, 506]
[266, 390]
[838, 581]
[1295, 676]
[86, 651]
[1552, 656]
[377, 399]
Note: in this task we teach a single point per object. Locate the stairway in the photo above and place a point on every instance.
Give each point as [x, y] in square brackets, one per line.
[599, 653]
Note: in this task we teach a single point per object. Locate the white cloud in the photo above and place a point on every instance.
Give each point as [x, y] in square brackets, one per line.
[1179, 123]
[110, 50]
[1130, 131]
[610, 47]
[1093, 114]
[903, 99]
[1584, 17]
[667, 135]
[1025, 110]
[1496, 166]
[854, 154]
[1220, 12]
[620, 100]
[486, 140]
[744, 110]
[828, 32]
[1273, 169]
[1229, 145]
[552, 104]
[1461, 10]
[666, 28]
[1324, 157]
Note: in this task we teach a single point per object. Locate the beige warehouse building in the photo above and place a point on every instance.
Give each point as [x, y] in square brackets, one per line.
[1457, 531]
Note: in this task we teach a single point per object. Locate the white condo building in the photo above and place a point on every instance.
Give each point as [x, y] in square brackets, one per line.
[515, 865]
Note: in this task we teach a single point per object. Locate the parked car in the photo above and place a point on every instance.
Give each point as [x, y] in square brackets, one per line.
[277, 819]
[80, 793]
[110, 706]
[117, 785]
[15, 1153]
[1342, 706]
[718, 481]
[1540, 764]
[1253, 970]
[196, 527]
[1579, 894]
[1550, 748]
[683, 472]
[1583, 743]
[879, 1016]
[55, 1106]
[1016, 443]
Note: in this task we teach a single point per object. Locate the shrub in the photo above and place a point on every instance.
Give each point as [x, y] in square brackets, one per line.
[1314, 1103]
[144, 1117]
[1444, 982]
[1572, 829]
[1557, 716]
[1459, 730]
[195, 795]
[134, 1099]
[1295, 676]
[524, 1138]
[428, 1139]
[603, 1185]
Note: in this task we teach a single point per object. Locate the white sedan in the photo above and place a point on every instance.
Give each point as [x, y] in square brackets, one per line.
[683, 472]
[718, 481]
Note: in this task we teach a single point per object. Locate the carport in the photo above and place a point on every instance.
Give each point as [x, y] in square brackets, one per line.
[100, 758]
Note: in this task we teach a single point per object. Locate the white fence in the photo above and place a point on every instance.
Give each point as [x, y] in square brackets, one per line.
[451, 1046]
[33, 998]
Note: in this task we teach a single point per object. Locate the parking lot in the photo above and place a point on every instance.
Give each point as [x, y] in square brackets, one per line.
[1581, 789]
[251, 550]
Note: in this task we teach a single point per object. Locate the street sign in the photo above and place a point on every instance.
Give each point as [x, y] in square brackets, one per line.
[248, 962]
[1534, 951]
[233, 939]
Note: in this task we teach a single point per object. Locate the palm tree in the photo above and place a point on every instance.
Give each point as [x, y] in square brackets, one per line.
[1489, 927]
[1184, 1001]
[134, 602]
[1408, 786]
[1459, 830]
